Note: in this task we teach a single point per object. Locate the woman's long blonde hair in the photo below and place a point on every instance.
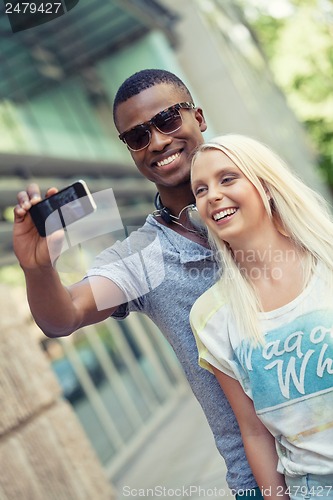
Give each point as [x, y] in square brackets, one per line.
[297, 211]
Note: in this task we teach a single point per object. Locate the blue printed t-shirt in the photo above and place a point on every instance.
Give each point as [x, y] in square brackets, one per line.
[161, 274]
[289, 378]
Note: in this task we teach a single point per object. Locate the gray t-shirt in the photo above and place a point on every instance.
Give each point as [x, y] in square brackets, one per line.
[162, 274]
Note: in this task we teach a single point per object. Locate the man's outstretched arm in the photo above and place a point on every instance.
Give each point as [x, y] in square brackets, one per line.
[58, 310]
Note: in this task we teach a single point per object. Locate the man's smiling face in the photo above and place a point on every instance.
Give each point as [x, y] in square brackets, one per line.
[165, 161]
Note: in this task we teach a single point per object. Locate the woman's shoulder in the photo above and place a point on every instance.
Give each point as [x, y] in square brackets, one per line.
[207, 305]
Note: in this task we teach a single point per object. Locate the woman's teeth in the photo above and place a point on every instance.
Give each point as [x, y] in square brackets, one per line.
[224, 213]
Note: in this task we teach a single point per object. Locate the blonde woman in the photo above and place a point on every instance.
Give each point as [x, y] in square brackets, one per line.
[265, 329]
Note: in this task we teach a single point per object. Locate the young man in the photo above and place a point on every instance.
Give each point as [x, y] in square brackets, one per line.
[160, 144]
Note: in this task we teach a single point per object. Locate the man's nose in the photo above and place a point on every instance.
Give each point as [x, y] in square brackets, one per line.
[158, 140]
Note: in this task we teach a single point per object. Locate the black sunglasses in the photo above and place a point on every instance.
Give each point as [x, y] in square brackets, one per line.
[167, 121]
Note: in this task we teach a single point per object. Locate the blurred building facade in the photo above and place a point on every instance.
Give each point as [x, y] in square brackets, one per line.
[56, 91]
[59, 79]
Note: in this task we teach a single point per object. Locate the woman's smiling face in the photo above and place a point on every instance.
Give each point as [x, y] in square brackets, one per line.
[227, 201]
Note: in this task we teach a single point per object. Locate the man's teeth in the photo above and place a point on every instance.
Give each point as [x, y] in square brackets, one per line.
[168, 160]
[224, 213]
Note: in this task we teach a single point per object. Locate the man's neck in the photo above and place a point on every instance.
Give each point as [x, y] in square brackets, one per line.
[176, 198]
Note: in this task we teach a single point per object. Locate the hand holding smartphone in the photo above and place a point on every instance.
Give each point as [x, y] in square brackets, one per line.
[63, 208]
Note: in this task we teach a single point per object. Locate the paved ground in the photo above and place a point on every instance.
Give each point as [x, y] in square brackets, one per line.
[180, 461]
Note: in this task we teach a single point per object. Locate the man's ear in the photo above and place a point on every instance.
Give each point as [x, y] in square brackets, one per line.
[200, 119]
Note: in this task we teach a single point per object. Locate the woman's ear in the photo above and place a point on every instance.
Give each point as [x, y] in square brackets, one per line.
[268, 194]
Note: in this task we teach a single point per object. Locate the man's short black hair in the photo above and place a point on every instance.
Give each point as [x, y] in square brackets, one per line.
[143, 80]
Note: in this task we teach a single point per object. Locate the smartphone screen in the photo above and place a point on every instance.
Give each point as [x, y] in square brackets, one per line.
[63, 208]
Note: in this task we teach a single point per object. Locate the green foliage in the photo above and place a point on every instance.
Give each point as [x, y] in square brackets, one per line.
[299, 48]
[267, 29]
[322, 136]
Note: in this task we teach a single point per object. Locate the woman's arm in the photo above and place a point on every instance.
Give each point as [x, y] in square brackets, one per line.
[259, 444]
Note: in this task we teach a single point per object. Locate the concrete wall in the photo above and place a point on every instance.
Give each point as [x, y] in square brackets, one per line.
[44, 453]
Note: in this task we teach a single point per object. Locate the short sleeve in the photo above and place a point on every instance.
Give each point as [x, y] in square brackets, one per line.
[134, 265]
[209, 323]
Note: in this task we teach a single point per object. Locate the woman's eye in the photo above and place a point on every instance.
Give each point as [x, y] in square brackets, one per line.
[227, 178]
[199, 190]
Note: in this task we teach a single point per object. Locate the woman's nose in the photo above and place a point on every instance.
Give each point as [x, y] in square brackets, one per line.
[215, 193]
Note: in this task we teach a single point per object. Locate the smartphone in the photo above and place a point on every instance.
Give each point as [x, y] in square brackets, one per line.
[63, 208]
